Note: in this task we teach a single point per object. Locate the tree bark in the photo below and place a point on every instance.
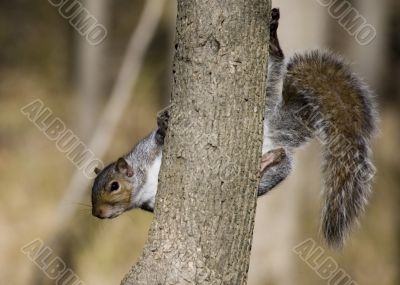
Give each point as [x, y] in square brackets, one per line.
[204, 217]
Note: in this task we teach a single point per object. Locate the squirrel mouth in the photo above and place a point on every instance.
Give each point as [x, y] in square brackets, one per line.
[116, 214]
[101, 215]
[113, 216]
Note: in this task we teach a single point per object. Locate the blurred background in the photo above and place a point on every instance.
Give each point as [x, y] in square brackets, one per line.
[44, 196]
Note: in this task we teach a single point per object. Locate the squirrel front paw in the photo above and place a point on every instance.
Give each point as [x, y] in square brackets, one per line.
[163, 118]
[162, 123]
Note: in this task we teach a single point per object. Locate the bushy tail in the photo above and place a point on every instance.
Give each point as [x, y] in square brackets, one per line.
[343, 113]
[348, 174]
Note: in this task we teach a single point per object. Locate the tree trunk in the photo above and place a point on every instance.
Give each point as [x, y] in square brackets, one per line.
[204, 218]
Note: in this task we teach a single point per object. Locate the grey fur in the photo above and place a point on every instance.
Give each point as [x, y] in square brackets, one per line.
[313, 95]
[140, 159]
[347, 166]
[322, 98]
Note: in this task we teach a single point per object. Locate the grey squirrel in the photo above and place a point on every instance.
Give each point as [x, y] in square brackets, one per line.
[313, 95]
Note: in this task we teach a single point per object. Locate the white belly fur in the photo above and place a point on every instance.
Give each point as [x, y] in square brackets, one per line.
[149, 189]
[267, 143]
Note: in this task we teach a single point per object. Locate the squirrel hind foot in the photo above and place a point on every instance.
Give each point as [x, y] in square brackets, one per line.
[272, 158]
[275, 16]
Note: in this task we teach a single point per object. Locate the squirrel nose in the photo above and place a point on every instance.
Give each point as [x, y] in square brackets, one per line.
[99, 213]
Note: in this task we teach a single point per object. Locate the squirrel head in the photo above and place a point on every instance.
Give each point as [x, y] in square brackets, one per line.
[112, 190]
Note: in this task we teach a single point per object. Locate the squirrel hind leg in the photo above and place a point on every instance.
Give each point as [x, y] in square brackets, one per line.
[276, 165]
[275, 16]
[274, 46]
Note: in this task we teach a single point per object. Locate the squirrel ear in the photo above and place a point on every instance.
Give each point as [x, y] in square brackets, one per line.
[122, 166]
[97, 171]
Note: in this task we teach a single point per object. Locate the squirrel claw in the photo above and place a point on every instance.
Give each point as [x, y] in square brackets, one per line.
[163, 118]
[275, 13]
[162, 123]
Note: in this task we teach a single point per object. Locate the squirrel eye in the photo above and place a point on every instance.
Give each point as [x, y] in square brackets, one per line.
[114, 186]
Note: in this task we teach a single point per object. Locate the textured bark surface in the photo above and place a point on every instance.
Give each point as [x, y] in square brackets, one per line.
[204, 218]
